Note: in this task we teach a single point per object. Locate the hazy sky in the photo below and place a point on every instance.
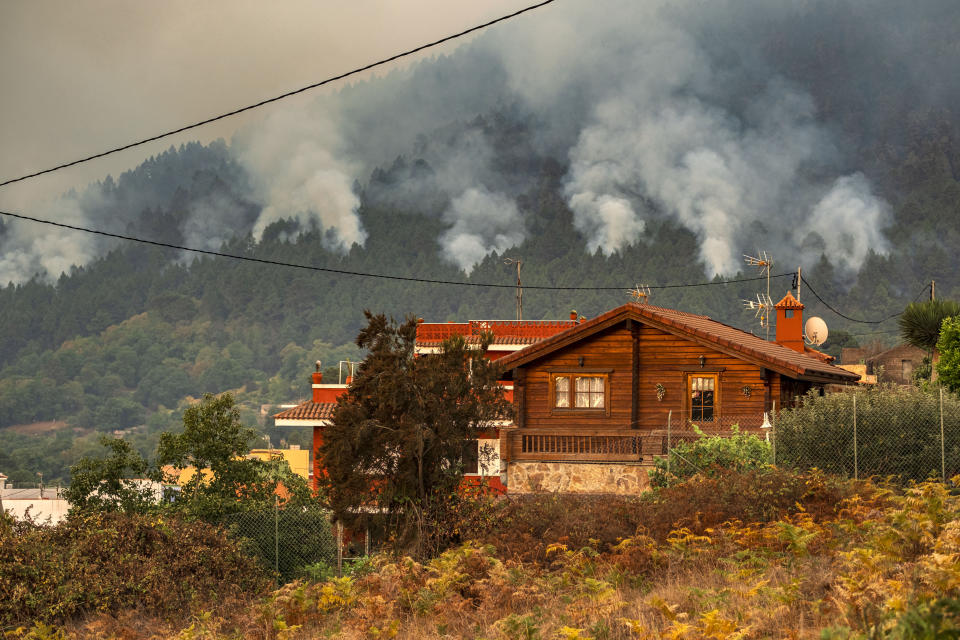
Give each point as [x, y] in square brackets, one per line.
[79, 77]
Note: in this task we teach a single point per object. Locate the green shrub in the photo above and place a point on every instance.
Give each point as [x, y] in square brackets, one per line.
[937, 619]
[740, 451]
[287, 541]
[107, 562]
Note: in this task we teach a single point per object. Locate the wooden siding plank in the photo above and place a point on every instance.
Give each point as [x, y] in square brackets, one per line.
[638, 358]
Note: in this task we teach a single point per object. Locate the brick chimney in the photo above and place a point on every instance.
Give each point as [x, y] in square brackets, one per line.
[790, 323]
[317, 381]
[573, 315]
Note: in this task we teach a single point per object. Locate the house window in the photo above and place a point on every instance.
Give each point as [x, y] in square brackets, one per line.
[579, 391]
[788, 313]
[703, 398]
[906, 370]
[471, 457]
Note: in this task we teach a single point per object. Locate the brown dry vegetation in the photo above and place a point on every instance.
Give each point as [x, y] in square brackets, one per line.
[758, 555]
[34, 428]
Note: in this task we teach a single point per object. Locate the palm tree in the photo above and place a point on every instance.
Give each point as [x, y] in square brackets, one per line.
[920, 325]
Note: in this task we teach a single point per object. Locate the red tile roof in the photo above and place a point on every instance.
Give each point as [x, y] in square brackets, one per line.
[698, 328]
[789, 302]
[309, 411]
[476, 339]
[510, 331]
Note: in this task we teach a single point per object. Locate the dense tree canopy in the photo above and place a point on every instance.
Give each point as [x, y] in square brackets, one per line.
[948, 367]
[118, 482]
[214, 442]
[394, 450]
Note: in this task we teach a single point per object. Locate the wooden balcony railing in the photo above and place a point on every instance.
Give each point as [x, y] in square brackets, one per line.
[610, 445]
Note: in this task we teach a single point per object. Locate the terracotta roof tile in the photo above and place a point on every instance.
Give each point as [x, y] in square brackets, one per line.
[789, 302]
[510, 331]
[309, 411]
[476, 339]
[695, 326]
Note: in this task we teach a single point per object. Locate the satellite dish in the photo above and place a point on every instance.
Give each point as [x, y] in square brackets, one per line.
[815, 331]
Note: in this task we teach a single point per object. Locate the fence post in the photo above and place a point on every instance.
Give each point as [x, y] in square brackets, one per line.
[856, 468]
[669, 421]
[339, 549]
[943, 457]
[773, 436]
[276, 532]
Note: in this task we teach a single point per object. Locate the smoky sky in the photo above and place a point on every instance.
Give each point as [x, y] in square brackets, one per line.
[749, 123]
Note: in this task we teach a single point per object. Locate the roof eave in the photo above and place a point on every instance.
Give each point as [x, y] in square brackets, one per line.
[559, 341]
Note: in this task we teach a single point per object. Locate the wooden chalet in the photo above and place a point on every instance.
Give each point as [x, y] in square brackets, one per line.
[597, 400]
[594, 403]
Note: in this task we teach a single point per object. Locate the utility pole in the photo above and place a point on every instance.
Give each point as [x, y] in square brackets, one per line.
[519, 263]
[933, 289]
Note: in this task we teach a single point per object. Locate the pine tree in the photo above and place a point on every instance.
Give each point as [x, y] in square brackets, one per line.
[393, 453]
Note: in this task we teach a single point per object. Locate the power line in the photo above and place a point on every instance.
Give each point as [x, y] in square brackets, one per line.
[842, 315]
[280, 97]
[345, 272]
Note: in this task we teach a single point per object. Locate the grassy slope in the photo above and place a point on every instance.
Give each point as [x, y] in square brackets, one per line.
[858, 565]
[796, 556]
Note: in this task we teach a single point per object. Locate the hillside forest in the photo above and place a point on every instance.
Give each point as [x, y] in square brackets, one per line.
[125, 340]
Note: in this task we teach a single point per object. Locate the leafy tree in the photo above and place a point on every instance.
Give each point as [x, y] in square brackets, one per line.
[214, 442]
[393, 455]
[111, 483]
[948, 368]
[920, 324]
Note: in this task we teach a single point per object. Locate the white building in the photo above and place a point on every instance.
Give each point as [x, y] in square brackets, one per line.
[43, 505]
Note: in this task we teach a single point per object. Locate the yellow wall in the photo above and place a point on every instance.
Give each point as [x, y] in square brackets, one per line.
[298, 459]
[861, 370]
[181, 477]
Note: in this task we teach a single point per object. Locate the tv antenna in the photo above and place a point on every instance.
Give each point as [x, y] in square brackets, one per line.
[519, 263]
[762, 307]
[640, 293]
[764, 262]
[351, 368]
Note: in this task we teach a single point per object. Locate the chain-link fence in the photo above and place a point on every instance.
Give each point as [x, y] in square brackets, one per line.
[291, 542]
[894, 432]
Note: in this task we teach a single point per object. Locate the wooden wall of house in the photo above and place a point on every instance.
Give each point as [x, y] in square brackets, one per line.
[792, 392]
[668, 359]
[610, 351]
[661, 358]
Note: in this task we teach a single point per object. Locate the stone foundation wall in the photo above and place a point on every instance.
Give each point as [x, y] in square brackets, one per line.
[577, 477]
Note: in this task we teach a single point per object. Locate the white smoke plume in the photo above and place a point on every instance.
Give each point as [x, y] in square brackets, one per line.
[662, 141]
[28, 250]
[481, 223]
[211, 221]
[849, 220]
[298, 168]
[705, 114]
